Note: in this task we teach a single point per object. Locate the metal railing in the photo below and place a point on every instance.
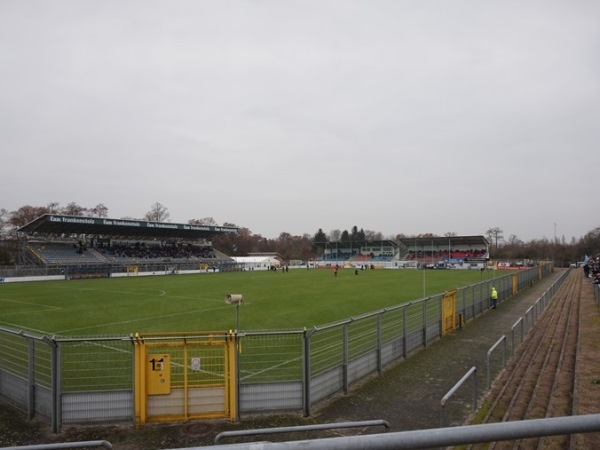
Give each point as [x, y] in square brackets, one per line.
[512, 334]
[471, 373]
[438, 437]
[307, 428]
[502, 341]
[64, 445]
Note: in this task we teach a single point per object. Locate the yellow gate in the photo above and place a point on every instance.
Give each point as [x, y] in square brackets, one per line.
[183, 376]
[449, 312]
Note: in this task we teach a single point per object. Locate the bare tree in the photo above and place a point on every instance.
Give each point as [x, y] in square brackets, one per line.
[3, 221]
[98, 211]
[495, 235]
[514, 240]
[26, 214]
[158, 213]
[371, 235]
[54, 208]
[335, 235]
[204, 221]
[73, 209]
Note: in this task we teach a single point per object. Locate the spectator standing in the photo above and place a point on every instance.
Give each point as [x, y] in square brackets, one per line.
[494, 296]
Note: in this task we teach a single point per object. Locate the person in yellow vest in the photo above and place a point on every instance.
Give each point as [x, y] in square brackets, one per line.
[494, 297]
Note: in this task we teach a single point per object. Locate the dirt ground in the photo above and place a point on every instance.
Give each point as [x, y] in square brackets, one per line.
[377, 398]
[587, 374]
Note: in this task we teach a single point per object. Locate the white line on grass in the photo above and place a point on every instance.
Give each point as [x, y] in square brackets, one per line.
[41, 306]
[136, 292]
[142, 320]
[175, 364]
[161, 294]
[31, 330]
[252, 374]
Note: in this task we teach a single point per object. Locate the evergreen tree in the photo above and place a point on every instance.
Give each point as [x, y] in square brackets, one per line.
[320, 236]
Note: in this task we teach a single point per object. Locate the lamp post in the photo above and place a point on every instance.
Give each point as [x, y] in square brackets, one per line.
[237, 300]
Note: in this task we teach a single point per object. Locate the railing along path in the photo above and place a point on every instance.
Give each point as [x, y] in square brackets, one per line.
[539, 382]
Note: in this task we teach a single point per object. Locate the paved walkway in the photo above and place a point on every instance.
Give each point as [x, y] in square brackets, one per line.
[408, 394]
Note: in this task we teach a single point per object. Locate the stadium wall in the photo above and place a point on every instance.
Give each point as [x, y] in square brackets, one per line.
[91, 379]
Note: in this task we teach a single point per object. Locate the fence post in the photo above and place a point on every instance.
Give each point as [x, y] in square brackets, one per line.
[425, 322]
[55, 383]
[404, 335]
[31, 378]
[345, 358]
[464, 304]
[306, 374]
[238, 388]
[379, 344]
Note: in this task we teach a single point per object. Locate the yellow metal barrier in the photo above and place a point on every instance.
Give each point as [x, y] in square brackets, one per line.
[449, 312]
[185, 376]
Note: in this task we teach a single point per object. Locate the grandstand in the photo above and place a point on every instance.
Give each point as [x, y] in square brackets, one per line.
[98, 247]
[358, 252]
[444, 252]
[434, 252]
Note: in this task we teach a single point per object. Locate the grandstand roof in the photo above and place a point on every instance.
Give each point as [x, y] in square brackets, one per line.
[57, 224]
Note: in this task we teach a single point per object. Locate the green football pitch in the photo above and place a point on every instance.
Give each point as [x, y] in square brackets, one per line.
[170, 303]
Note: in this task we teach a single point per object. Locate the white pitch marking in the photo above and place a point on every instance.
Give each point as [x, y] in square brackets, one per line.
[161, 294]
[270, 368]
[44, 308]
[21, 327]
[142, 320]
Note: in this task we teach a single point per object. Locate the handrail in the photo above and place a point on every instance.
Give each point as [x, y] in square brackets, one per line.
[472, 371]
[489, 353]
[316, 427]
[63, 445]
[439, 437]
[512, 334]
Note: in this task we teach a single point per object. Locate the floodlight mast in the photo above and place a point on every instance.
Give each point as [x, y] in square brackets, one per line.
[237, 300]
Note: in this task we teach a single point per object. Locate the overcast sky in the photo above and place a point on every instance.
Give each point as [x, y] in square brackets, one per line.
[289, 116]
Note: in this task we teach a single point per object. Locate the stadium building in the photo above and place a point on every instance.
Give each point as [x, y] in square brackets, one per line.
[89, 247]
[74, 247]
[463, 252]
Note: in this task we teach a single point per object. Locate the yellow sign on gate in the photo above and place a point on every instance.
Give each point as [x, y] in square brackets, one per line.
[158, 374]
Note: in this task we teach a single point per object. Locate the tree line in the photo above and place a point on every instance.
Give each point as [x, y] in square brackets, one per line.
[302, 247]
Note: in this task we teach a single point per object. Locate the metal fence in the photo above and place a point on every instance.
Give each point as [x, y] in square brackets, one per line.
[67, 271]
[91, 379]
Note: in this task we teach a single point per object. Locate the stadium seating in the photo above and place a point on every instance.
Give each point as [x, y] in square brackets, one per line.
[57, 254]
[66, 254]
